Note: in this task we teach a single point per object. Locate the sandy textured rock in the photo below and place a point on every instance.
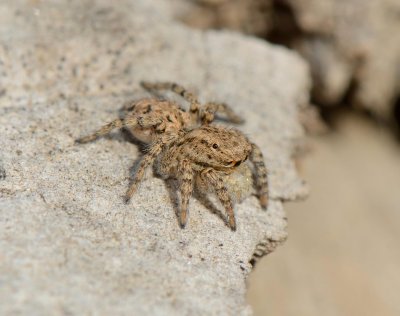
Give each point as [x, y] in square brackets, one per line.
[352, 46]
[68, 243]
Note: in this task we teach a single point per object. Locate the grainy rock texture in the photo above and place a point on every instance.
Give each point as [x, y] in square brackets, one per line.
[68, 243]
[352, 46]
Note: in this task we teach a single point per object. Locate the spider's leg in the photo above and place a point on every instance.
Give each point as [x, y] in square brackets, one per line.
[261, 175]
[212, 107]
[178, 89]
[212, 177]
[186, 188]
[147, 160]
[106, 129]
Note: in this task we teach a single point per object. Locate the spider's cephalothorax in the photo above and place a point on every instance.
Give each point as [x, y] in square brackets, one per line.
[185, 147]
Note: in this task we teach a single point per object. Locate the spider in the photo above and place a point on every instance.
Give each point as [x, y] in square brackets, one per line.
[183, 146]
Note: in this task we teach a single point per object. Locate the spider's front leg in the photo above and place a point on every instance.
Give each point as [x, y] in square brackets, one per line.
[147, 160]
[261, 175]
[212, 177]
[186, 188]
[211, 108]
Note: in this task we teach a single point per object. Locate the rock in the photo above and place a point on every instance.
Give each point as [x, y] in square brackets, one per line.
[3, 173]
[352, 47]
[68, 243]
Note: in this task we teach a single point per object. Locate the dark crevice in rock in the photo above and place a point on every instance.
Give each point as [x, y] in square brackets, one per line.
[396, 115]
[285, 29]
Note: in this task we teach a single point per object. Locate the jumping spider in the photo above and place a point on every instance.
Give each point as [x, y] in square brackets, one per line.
[183, 146]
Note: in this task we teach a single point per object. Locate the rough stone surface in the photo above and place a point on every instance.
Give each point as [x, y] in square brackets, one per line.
[68, 243]
[352, 46]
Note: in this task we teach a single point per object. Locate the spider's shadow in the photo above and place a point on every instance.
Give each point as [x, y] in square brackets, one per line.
[124, 136]
[127, 136]
[173, 188]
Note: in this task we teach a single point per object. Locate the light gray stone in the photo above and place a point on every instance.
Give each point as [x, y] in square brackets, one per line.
[68, 243]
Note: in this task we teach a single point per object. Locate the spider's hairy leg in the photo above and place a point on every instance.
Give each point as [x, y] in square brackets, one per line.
[129, 121]
[147, 160]
[261, 175]
[186, 188]
[212, 177]
[178, 89]
[106, 129]
[211, 108]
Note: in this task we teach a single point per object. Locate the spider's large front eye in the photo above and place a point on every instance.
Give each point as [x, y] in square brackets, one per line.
[215, 146]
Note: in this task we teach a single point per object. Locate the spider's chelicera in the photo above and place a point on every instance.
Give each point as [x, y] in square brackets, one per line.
[184, 146]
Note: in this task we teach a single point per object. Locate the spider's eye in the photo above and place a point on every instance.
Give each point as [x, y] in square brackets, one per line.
[215, 146]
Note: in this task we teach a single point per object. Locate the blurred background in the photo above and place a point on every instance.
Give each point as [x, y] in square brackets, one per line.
[342, 256]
